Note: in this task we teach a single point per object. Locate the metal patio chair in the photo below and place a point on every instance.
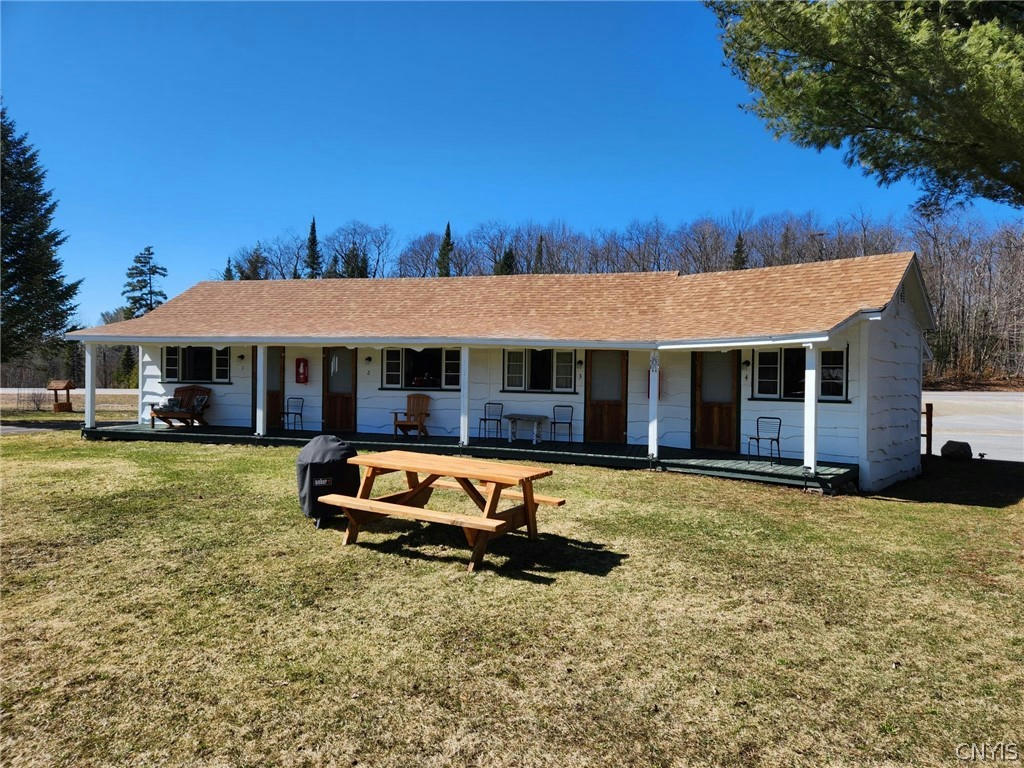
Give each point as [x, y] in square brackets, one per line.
[492, 413]
[292, 412]
[768, 429]
[561, 416]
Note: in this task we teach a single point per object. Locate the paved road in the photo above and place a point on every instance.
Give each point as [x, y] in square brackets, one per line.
[992, 422]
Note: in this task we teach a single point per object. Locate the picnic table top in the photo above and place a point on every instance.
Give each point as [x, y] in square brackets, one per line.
[526, 416]
[452, 466]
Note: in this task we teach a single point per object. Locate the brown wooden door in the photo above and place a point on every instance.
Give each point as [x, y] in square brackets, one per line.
[275, 387]
[716, 400]
[339, 373]
[605, 409]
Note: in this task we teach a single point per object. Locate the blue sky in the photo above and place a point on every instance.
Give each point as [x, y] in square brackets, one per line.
[200, 127]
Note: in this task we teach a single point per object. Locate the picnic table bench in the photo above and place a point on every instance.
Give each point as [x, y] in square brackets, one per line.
[485, 482]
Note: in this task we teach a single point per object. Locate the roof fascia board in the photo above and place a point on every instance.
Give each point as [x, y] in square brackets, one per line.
[754, 341]
[362, 342]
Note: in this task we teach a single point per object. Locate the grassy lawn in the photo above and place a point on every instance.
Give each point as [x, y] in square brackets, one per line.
[168, 605]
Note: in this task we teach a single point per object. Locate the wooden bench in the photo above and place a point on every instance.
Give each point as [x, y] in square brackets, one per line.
[484, 482]
[187, 410]
[387, 509]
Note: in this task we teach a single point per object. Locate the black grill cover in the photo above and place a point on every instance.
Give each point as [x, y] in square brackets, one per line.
[322, 468]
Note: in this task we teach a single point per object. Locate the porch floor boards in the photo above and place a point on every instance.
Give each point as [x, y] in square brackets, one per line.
[830, 476]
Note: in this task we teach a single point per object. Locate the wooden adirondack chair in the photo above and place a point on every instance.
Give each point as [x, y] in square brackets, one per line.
[417, 408]
[192, 401]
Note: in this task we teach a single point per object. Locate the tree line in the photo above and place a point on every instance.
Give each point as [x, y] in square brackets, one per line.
[974, 271]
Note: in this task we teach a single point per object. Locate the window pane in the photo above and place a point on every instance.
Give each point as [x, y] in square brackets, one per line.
[564, 370]
[197, 363]
[452, 363]
[605, 375]
[392, 367]
[423, 368]
[540, 369]
[171, 363]
[833, 373]
[768, 373]
[514, 368]
[341, 375]
[793, 372]
[222, 364]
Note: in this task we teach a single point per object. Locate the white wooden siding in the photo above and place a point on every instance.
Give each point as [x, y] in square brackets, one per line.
[838, 422]
[673, 405]
[230, 403]
[893, 428]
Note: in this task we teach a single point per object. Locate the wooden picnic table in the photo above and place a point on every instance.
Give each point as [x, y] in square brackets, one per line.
[485, 482]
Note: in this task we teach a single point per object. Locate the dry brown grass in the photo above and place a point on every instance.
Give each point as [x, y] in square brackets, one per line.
[108, 408]
[167, 605]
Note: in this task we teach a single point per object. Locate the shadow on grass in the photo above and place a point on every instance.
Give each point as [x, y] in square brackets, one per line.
[535, 561]
[976, 483]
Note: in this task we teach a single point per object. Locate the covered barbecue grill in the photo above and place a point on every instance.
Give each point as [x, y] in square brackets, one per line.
[322, 468]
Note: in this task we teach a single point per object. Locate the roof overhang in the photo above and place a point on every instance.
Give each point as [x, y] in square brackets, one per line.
[433, 341]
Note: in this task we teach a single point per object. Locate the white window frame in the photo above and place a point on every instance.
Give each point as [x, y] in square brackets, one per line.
[388, 370]
[178, 354]
[522, 353]
[451, 366]
[842, 374]
[521, 374]
[777, 394]
[222, 362]
[166, 367]
[779, 377]
[571, 362]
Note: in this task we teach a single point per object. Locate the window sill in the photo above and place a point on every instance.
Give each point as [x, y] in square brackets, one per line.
[793, 400]
[419, 389]
[539, 391]
[192, 381]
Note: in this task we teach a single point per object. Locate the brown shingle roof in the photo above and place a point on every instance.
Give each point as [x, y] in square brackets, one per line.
[643, 307]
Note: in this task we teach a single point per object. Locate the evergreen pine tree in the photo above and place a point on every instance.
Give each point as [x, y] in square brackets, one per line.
[140, 289]
[252, 264]
[127, 375]
[538, 255]
[229, 273]
[739, 253]
[444, 253]
[37, 299]
[356, 262]
[314, 261]
[507, 264]
[333, 266]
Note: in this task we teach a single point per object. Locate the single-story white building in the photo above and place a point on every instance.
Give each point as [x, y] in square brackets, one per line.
[834, 349]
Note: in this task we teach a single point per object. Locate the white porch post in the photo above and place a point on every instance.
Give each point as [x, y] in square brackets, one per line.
[652, 404]
[90, 384]
[142, 400]
[261, 389]
[464, 396]
[810, 408]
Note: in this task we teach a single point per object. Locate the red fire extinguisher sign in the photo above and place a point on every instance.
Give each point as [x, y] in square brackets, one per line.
[301, 370]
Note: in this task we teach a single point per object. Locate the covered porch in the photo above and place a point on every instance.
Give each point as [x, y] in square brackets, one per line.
[829, 477]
